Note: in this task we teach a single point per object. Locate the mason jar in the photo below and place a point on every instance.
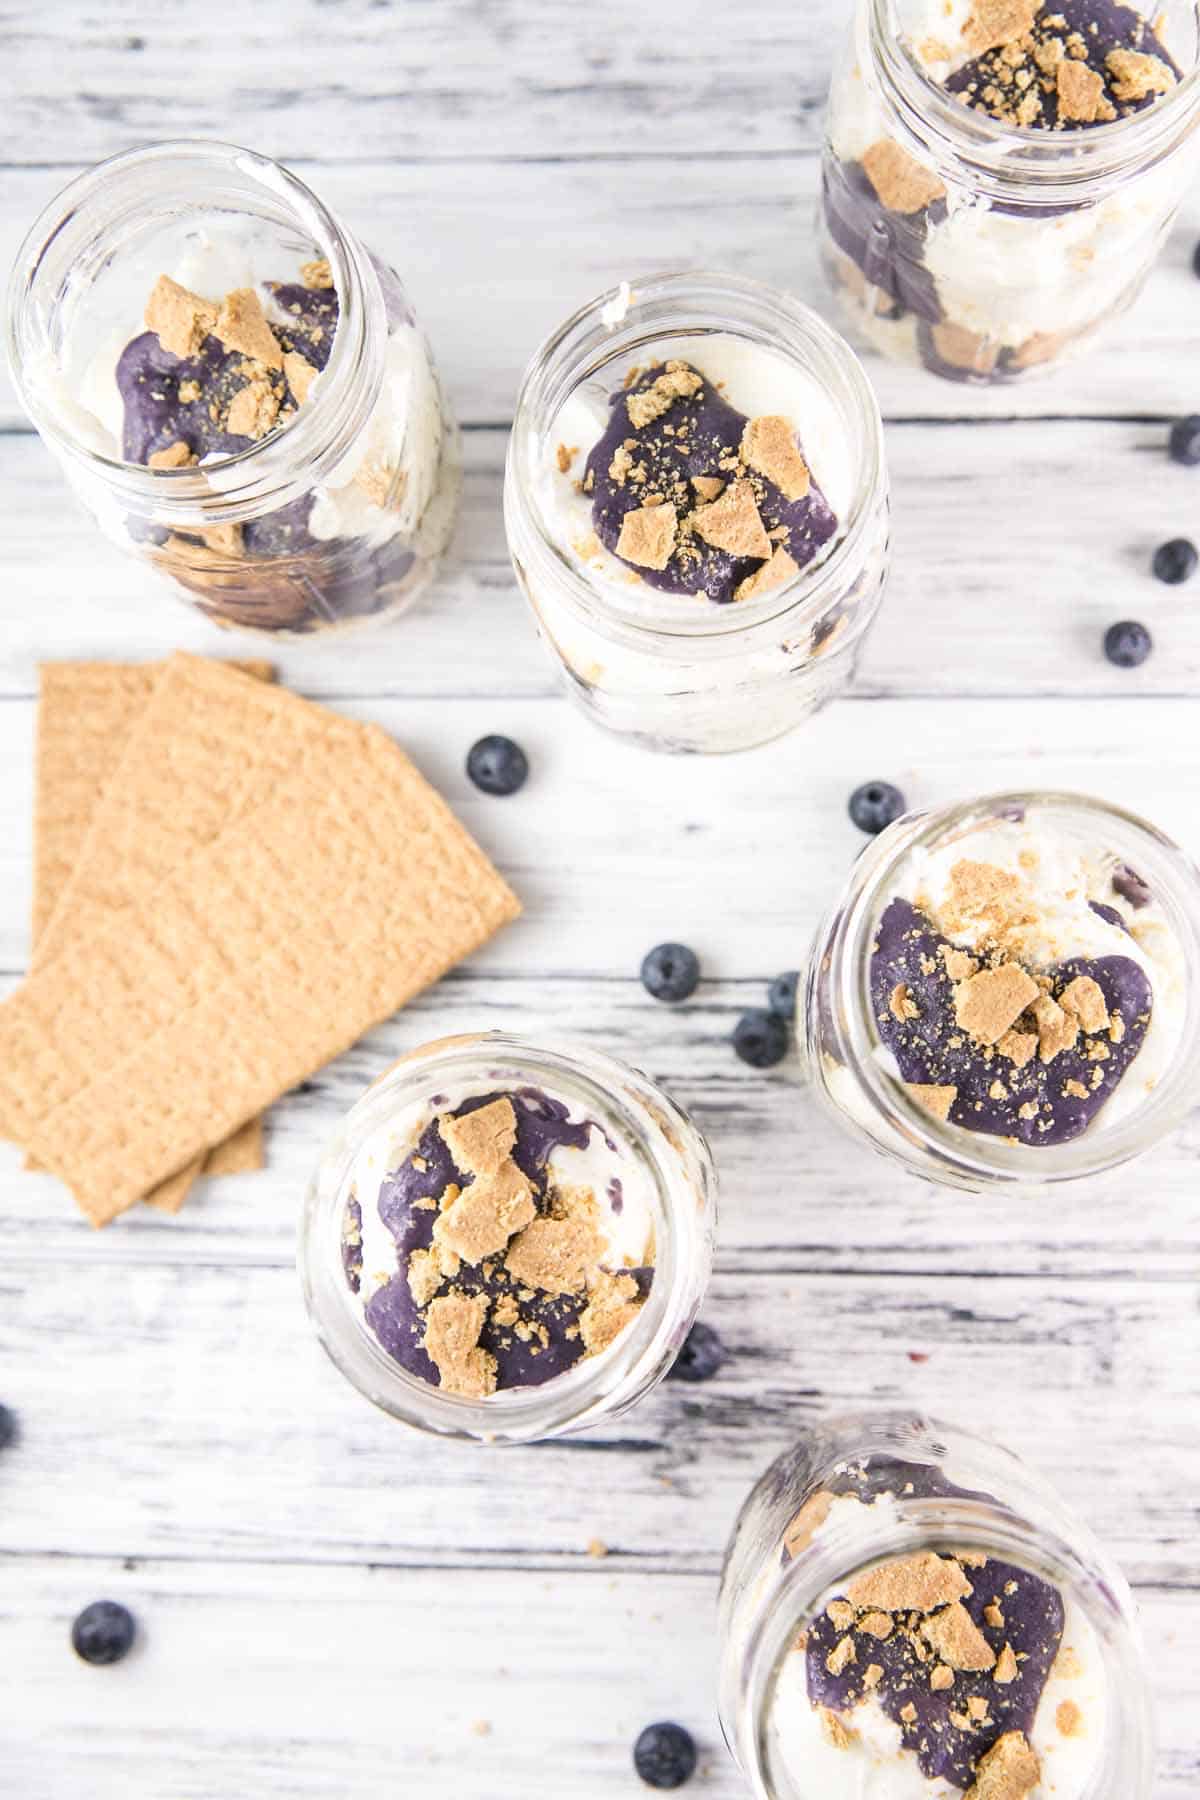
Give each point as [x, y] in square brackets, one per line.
[678, 670]
[984, 249]
[1010, 904]
[556, 1344]
[907, 1609]
[281, 502]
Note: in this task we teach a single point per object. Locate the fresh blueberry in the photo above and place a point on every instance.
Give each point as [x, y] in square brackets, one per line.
[8, 1426]
[781, 995]
[761, 1039]
[497, 765]
[1196, 260]
[670, 971]
[1176, 560]
[875, 805]
[665, 1755]
[103, 1632]
[1127, 644]
[702, 1355]
[1184, 441]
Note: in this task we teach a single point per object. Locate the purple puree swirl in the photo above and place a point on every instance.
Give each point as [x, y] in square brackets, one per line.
[1032, 1615]
[931, 1049]
[543, 1126]
[694, 437]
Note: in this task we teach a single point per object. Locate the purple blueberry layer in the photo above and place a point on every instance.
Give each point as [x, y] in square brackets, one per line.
[1019, 1618]
[553, 1344]
[1041, 1102]
[886, 245]
[698, 436]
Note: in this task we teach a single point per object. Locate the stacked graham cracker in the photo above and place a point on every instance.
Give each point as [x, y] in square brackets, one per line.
[231, 886]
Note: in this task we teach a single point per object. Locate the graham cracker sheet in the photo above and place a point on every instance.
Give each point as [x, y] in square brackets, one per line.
[86, 712]
[334, 886]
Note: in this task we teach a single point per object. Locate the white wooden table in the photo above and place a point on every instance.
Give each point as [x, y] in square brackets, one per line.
[330, 1607]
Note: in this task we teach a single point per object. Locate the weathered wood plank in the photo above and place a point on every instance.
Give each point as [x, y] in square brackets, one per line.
[497, 255]
[351, 1682]
[974, 607]
[213, 1425]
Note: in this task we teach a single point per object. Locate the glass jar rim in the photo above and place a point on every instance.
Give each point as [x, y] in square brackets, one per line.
[264, 474]
[593, 335]
[1006, 162]
[593, 1388]
[977, 1154]
[1022, 1529]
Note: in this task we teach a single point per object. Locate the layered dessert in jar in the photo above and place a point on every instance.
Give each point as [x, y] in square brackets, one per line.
[921, 1619]
[696, 508]
[506, 1240]
[1010, 990]
[237, 388]
[999, 175]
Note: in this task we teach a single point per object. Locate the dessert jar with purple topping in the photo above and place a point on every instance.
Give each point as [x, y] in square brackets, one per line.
[999, 175]
[508, 1241]
[237, 389]
[1008, 991]
[908, 1611]
[697, 509]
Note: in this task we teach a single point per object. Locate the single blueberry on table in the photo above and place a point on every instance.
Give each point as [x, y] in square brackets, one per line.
[781, 995]
[8, 1425]
[103, 1632]
[702, 1355]
[1176, 560]
[1127, 644]
[761, 1039]
[665, 1755]
[497, 765]
[876, 805]
[670, 972]
[1184, 441]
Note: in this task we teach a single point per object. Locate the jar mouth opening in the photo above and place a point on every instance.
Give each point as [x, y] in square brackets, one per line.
[631, 317]
[1043, 167]
[88, 224]
[593, 1387]
[1175, 883]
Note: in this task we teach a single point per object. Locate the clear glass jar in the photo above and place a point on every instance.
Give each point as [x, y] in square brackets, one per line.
[982, 250]
[667, 1169]
[1099, 883]
[341, 515]
[856, 1492]
[680, 672]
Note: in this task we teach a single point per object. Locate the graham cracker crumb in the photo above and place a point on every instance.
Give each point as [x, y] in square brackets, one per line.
[873, 1676]
[242, 325]
[556, 1255]
[612, 1305]
[1076, 1088]
[172, 456]
[708, 487]
[253, 410]
[769, 446]
[932, 1098]
[676, 382]
[451, 1342]
[992, 1615]
[987, 1004]
[1006, 1669]
[1084, 998]
[902, 183]
[773, 574]
[317, 273]
[901, 1004]
[1067, 1664]
[959, 966]
[842, 1654]
[597, 1548]
[732, 523]
[807, 1522]
[499, 1201]
[840, 1614]
[995, 23]
[300, 375]
[957, 1639]
[1136, 76]
[1008, 1771]
[833, 1730]
[919, 1583]
[424, 1276]
[381, 483]
[977, 1709]
[998, 1091]
[908, 1713]
[1081, 95]
[563, 457]
[1020, 1047]
[941, 1678]
[876, 1625]
[226, 540]
[179, 319]
[1056, 1032]
[648, 536]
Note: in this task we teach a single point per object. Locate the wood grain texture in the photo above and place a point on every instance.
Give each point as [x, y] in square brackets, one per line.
[330, 1607]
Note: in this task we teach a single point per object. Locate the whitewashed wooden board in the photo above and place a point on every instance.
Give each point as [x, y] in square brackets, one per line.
[331, 1608]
